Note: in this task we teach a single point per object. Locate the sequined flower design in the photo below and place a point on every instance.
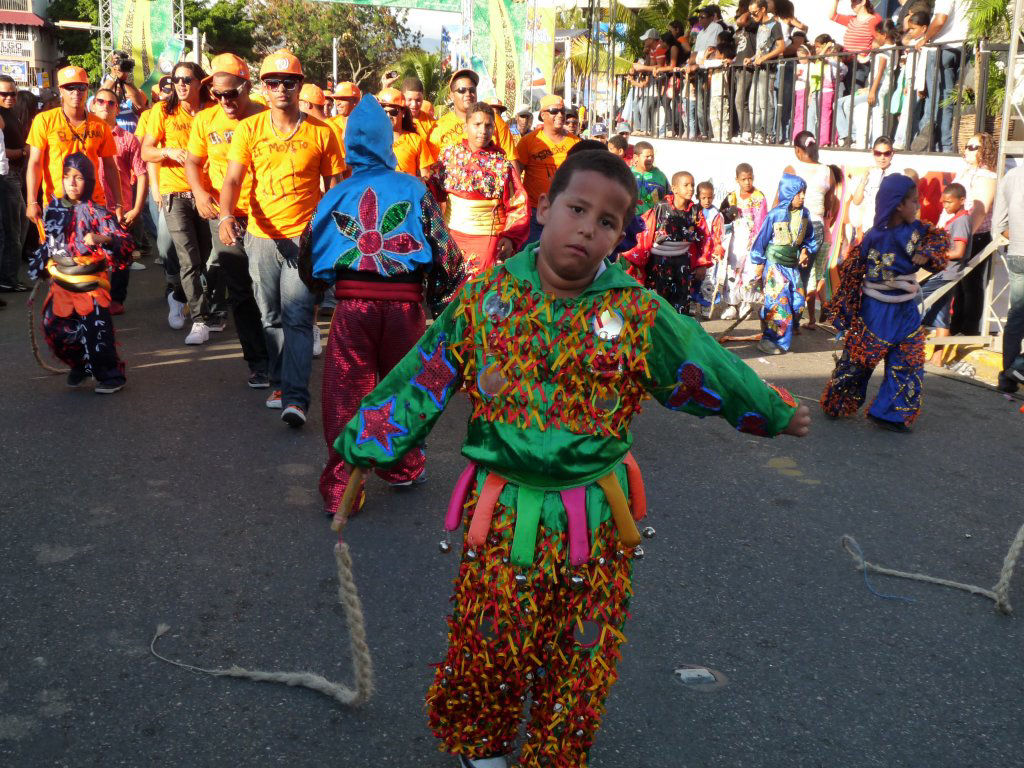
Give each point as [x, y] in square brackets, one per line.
[691, 389]
[753, 424]
[374, 251]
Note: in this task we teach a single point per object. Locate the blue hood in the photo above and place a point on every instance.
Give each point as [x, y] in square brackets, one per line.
[891, 194]
[369, 138]
[790, 187]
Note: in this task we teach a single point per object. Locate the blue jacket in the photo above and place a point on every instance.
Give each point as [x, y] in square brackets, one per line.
[789, 187]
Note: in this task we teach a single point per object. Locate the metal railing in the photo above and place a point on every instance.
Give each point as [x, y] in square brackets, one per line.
[847, 100]
[25, 6]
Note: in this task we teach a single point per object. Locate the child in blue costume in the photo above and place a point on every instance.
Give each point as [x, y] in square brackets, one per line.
[782, 246]
[878, 304]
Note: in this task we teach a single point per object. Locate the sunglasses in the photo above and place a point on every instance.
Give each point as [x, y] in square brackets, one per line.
[393, 111]
[970, 147]
[464, 91]
[883, 153]
[167, 88]
[105, 102]
[8, 94]
[555, 111]
[75, 88]
[231, 95]
[182, 80]
[288, 83]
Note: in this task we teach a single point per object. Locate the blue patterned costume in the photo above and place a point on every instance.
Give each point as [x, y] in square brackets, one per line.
[878, 306]
[783, 234]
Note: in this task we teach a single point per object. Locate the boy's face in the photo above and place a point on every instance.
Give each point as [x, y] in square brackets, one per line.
[645, 159]
[683, 189]
[951, 203]
[582, 226]
[479, 130]
[74, 184]
[706, 197]
[798, 200]
[616, 150]
[745, 181]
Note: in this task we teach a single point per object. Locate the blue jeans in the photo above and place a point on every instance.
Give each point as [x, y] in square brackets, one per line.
[844, 115]
[1013, 333]
[949, 70]
[13, 228]
[938, 316]
[286, 305]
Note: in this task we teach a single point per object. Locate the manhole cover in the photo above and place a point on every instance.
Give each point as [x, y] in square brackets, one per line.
[700, 678]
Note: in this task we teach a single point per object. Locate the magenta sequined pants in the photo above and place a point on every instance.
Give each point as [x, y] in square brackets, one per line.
[368, 338]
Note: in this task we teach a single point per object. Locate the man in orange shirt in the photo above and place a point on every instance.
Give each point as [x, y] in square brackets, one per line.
[451, 128]
[286, 154]
[312, 101]
[411, 151]
[57, 133]
[415, 95]
[346, 96]
[539, 154]
[206, 166]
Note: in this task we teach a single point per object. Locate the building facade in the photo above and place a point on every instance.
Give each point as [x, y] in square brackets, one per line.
[28, 44]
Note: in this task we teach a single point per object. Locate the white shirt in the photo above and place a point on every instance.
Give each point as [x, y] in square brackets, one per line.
[957, 23]
[5, 165]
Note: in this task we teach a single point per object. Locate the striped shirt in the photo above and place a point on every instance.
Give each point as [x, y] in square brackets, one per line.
[859, 31]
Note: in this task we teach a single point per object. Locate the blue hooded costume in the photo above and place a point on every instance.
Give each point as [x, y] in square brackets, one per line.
[878, 305]
[784, 233]
[380, 240]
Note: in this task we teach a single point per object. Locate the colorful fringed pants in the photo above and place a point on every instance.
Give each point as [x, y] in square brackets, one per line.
[671, 276]
[518, 631]
[368, 337]
[784, 297]
[899, 398]
[85, 343]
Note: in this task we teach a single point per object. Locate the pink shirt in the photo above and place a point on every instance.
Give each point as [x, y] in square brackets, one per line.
[129, 166]
[859, 31]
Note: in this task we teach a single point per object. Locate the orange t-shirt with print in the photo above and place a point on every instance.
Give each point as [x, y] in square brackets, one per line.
[140, 129]
[54, 136]
[285, 172]
[210, 140]
[540, 157]
[170, 131]
[337, 124]
[413, 153]
[451, 129]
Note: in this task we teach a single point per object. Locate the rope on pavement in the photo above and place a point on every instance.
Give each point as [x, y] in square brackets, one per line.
[32, 331]
[1000, 593]
[348, 596]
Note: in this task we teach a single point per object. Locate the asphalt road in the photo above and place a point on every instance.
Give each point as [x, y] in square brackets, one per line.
[183, 500]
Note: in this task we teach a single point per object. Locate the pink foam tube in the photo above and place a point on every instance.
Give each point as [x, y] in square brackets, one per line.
[575, 502]
[458, 500]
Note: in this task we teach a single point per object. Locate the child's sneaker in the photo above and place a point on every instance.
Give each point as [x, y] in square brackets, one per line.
[200, 334]
[109, 387]
[730, 313]
[293, 416]
[274, 399]
[769, 348]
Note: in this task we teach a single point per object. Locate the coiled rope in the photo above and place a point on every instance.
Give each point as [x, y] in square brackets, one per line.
[32, 331]
[1000, 593]
[348, 596]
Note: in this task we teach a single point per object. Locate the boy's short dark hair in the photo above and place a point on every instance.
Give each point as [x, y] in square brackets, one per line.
[640, 146]
[619, 142]
[587, 145]
[744, 168]
[601, 161]
[705, 185]
[956, 190]
[882, 140]
[920, 18]
[480, 106]
[413, 84]
[678, 175]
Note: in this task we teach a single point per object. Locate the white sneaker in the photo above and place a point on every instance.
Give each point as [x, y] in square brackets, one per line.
[730, 313]
[137, 265]
[176, 315]
[318, 346]
[483, 762]
[200, 334]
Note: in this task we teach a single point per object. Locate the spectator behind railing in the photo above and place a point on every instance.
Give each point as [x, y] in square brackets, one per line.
[857, 39]
[911, 86]
[769, 45]
[867, 104]
[949, 24]
[794, 33]
[709, 19]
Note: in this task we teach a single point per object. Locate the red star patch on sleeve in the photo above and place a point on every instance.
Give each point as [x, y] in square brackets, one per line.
[377, 424]
[437, 375]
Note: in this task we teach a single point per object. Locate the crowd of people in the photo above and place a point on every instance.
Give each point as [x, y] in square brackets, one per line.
[765, 77]
[272, 201]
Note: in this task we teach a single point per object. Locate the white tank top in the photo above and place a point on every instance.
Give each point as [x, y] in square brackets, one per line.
[818, 178]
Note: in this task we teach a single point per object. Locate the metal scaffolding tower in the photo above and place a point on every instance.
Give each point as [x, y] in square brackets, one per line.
[106, 27]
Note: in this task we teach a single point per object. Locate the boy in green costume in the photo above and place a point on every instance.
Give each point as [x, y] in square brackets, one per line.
[555, 348]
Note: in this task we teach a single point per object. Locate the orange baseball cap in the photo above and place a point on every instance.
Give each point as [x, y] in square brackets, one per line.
[427, 108]
[464, 73]
[72, 76]
[281, 62]
[551, 101]
[313, 94]
[347, 90]
[392, 97]
[227, 64]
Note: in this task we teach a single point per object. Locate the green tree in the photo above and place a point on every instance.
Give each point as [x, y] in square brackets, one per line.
[369, 37]
[430, 69]
[80, 48]
[227, 27]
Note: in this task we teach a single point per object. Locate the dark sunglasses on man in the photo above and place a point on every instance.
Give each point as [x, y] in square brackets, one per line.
[8, 94]
[183, 80]
[76, 88]
[231, 95]
[288, 83]
[555, 111]
[464, 91]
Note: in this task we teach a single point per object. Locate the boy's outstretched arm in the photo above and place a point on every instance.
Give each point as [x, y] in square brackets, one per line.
[691, 372]
[397, 415]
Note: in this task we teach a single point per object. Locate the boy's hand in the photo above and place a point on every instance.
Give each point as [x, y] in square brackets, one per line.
[95, 239]
[919, 260]
[805, 257]
[800, 423]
